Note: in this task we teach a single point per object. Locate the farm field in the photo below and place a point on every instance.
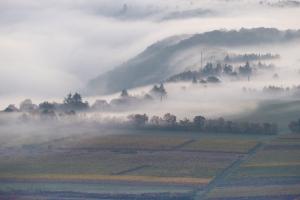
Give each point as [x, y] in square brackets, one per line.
[221, 145]
[273, 172]
[89, 190]
[162, 165]
[248, 191]
[169, 164]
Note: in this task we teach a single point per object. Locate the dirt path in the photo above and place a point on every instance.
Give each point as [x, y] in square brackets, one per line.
[200, 194]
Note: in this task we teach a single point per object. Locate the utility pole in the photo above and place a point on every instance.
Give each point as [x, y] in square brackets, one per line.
[201, 59]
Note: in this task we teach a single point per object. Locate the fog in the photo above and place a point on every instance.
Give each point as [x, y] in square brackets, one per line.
[17, 134]
[227, 99]
[50, 48]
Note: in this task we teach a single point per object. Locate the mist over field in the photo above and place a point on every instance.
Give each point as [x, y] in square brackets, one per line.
[49, 49]
[150, 99]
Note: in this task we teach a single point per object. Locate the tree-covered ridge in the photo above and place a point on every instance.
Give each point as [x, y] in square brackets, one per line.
[237, 58]
[211, 72]
[154, 65]
[275, 90]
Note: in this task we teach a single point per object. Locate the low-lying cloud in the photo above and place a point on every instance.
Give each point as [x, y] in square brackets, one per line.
[48, 48]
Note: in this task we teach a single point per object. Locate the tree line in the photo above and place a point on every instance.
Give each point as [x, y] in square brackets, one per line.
[73, 103]
[210, 73]
[200, 123]
[250, 57]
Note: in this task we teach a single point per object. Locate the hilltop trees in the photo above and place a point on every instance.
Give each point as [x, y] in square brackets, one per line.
[159, 91]
[27, 106]
[214, 72]
[213, 79]
[250, 57]
[46, 106]
[194, 81]
[245, 70]
[228, 69]
[100, 105]
[74, 102]
[127, 101]
[124, 94]
[11, 108]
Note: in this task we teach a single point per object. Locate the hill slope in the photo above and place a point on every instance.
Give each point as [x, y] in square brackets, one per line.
[174, 54]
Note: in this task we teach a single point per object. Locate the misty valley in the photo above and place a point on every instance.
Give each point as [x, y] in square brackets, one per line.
[150, 100]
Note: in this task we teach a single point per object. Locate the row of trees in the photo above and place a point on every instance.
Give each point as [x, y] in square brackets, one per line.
[200, 123]
[293, 91]
[250, 57]
[210, 73]
[126, 100]
[74, 102]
